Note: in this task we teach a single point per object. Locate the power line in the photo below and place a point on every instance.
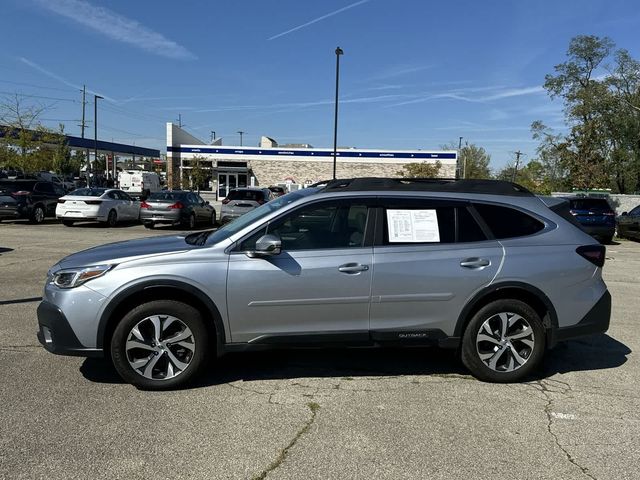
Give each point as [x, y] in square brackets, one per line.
[37, 86]
[39, 96]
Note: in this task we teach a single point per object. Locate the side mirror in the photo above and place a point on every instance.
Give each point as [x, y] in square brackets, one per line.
[207, 203]
[624, 214]
[266, 246]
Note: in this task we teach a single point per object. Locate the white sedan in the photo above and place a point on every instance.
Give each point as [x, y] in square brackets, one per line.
[105, 205]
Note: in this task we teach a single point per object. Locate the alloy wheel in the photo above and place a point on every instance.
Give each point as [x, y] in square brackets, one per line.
[38, 215]
[505, 342]
[160, 347]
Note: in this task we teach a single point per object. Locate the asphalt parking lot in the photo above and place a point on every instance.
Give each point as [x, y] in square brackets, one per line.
[389, 413]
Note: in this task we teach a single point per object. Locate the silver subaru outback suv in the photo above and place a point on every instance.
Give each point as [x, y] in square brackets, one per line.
[481, 266]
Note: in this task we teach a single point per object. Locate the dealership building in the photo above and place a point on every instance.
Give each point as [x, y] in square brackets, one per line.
[292, 166]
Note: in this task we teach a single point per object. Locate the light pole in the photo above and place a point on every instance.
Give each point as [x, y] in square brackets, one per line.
[95, 127]
[241, 133]
[460, 166]
[335, 118]
[213, 136]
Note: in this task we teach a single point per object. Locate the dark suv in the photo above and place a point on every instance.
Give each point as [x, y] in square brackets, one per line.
[595, 215]
[31, 199]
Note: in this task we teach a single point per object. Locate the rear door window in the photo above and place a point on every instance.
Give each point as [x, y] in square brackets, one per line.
[253, 195]
[424, 221]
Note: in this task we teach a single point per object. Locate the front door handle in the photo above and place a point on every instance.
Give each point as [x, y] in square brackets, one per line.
[475, 262]
[353, 268]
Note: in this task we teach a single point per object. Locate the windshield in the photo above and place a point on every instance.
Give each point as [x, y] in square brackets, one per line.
[215, 236]
[88, 192]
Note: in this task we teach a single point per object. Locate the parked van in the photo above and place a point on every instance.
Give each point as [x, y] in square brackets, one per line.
[139, 182]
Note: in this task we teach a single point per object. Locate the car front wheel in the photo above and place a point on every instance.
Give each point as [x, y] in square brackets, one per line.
[504, 342]
[160, 345]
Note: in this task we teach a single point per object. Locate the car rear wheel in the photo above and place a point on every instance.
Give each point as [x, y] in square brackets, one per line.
[504, 342]
[149, 225]
[160, 345]
[190, 222]
[67, 223]
[37, 216]
[112, 219]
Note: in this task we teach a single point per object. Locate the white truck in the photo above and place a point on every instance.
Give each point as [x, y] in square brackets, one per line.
[139, 182]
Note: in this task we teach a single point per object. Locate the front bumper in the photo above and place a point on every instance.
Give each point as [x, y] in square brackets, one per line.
[595, 321]
[56, 335]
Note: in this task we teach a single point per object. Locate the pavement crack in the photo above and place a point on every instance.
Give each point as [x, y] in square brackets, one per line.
[548, 412]
[313, 407]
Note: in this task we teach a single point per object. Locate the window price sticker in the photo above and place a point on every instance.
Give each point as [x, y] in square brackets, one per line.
[414, 226]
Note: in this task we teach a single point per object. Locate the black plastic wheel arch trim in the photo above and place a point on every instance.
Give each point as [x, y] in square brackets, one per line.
[463, 318]
[153, 284]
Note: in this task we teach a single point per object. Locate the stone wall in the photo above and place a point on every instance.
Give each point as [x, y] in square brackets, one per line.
[269, 172]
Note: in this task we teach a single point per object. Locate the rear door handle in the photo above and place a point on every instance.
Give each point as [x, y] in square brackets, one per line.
[475, 263]
[353, 268]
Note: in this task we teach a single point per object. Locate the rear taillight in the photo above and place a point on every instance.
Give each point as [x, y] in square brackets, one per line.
[93, 202]
[61, 201]
[145, 205]
[594, 253]
[225, 201]
[177, 205]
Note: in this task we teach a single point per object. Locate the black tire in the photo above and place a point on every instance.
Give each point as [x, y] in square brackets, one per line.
[67, 223]
[149, 225]
[213, 219]
[471, 345]
[189, 222]
[607, 240]
[37, 215]
[112, 219]
[186, 314]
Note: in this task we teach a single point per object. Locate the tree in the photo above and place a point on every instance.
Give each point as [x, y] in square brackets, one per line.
[473, 160]
[585, 100]
[532, 176]
[198, 174]
[420, 170]
[24, 130]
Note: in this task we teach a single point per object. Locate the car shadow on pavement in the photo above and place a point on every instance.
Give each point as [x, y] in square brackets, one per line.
[307, 363]
[596, 352]
[592, 353]
[5, 250]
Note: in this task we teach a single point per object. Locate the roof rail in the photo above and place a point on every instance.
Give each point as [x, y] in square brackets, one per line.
[490, 187]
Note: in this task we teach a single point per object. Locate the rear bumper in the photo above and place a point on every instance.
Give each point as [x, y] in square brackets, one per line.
[56, 335]
[599, 230]
[595, 321]
[160, 217]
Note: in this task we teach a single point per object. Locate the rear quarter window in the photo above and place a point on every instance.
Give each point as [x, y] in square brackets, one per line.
[506, 222]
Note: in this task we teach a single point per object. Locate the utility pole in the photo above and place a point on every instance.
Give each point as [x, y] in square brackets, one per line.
[213, 136]
[95, 126]
[241, 133]
[180, 120]
[515, 170]
[84, 92]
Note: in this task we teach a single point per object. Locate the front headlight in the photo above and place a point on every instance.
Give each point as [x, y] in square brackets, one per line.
[74, 277]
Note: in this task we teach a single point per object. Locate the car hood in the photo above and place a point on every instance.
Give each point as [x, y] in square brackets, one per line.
[120, 252]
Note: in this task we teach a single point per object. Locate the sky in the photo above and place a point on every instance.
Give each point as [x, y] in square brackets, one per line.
[415, 74]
